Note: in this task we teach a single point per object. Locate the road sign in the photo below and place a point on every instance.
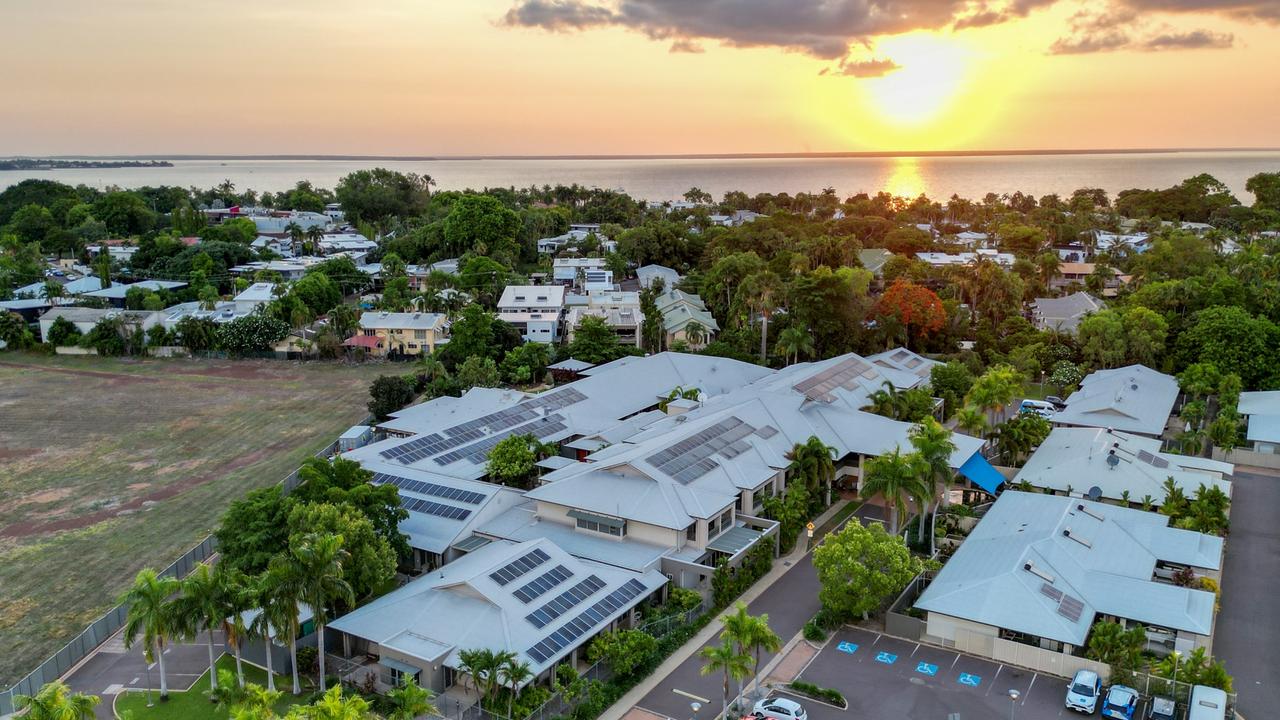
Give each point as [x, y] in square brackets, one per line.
[927, 668]
[970, 680]
[847, 647]
[887, 658]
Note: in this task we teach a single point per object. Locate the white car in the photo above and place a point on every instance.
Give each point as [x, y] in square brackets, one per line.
[780, 709]
[1083, 692]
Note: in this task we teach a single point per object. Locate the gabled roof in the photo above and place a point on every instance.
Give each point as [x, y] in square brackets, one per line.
[874, 259]
[1065, 313]
[527, 296]
[1263, 410]
[258, 292]
[1134, 398]
[1046, 565]
[117, 290]
[905, 369]
[400, 320]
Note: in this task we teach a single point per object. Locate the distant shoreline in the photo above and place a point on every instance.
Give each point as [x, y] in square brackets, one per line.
[660, 156]
[32, 163]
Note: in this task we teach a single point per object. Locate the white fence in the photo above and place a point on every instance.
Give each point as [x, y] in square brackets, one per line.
[1027, 656]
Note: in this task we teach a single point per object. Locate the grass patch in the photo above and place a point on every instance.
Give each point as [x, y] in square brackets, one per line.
[194, 704]
[113, 465]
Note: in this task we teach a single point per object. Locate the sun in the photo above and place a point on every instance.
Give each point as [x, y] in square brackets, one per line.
[933, 69]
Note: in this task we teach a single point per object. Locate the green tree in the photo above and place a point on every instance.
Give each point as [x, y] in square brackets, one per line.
[512, 460]
[862, 567]
[55, 701]
[896, 477]
[389, 393]
[951, 382]
[751, 635]
[932, 442]
[526, 363]
[380, 194]
[346, 483]
[477, 371]
[409, 701]
[278, 590]
[201, 605]
[1230, 337]
[482, 225]
[594, 342]
[1102, 340]
[793, 342]
[812, 463]
[253, 529]
[725, 658]
[1111, 643]
[1145, 332]
[251, 333]
[626, 651]
[32, 223]
[151, 614]
[513, 673]
[333, 705]
[994, 390]
[320, 560]
[62, 332]
[759, 293]
[238, 597]
[368, 561]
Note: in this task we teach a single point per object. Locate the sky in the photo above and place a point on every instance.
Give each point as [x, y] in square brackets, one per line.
[566, 77]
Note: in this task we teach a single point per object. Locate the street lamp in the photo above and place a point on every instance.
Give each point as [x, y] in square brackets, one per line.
[1013, 701]
[1176, 656]
[696, 707]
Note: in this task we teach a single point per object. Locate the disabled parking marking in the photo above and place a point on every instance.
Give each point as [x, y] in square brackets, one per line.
[887, 658]
[927, 668]
[970, 680]
[847, 647]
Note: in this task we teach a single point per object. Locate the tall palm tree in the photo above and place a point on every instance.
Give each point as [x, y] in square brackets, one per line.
[725, 658]
[971, 420]
[750, 634]
[737, 630]
[514, 673]
[151, 614]
[695, 333]
[201, 606]
[277, 595]
[887, 401]
[794, 342]
[758, 292]
[320, 560]
[932, 442]
[896, 477]
[55, 701]
[335, 705]
[812, 460]
[410, 701]
[315, 234]
[296, 233]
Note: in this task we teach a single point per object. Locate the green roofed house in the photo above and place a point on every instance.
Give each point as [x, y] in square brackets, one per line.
[681, 311]
[874, 259]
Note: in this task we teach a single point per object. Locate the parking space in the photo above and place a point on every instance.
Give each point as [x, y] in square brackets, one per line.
[884, 677]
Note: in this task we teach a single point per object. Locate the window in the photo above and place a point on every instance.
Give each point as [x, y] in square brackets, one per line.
[420, 334]
[691, 532]
[726, 520]
[413, 346]
[594, 526]
[369, 333]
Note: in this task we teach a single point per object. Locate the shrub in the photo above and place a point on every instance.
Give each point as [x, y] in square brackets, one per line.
[388, 394]
[822, 694]
[308, 660]
[813, 632]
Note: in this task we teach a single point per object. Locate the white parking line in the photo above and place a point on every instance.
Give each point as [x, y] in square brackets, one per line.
[993, 679]
[913, 652]
[878, 636]
[953, 662]
[1027, 694]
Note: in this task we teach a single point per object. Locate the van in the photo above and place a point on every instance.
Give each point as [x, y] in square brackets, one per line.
[1037, 407]
[1207, 704]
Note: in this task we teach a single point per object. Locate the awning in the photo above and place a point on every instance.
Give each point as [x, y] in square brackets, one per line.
[981, 473]
[392, 664]
[734, 541]
[474, 542]
[598, 519]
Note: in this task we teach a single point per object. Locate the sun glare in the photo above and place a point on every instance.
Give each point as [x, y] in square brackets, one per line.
[933, 69]
[905, 180]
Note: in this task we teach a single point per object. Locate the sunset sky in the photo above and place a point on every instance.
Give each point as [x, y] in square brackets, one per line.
[541, 77]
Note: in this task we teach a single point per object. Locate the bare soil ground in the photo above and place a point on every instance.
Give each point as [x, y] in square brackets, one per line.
[108, 466]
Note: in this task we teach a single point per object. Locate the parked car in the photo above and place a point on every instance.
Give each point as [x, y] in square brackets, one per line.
[1083, 692]
[780, 709]
[1120, 702]
[1056, 401]
[1207, 704]
[1161, 708]
[1037, 407]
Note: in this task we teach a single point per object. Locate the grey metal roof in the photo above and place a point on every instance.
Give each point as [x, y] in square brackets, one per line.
[399, 321]
[571, 365]
[1134, 398]
[1042, 565]
[1065, 313]
[734, 540]
[118, 290]
[1078, 458]
[522, 523]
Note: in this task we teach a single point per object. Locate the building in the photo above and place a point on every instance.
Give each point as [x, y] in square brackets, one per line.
[1063, 314]
[587, 273]
[222, 312]
[535, 310]
[345, 243]
[1134, 399]
[399, 334]
[938, 259]
[1074, 274]
[117, 292]
[576, 235]
[619, 309]
[968, 238]
[1262, 408]
[904, 368]
[1133, 242]
[254, 296]
[71, 288]
[874, 259]
[1042, 569]
[280, 222]
[647, 275]
[28, 309]
[86, 318]
[1123, 468]
[530, 598]
[685, 318]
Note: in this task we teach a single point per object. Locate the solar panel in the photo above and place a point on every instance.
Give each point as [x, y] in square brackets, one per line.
[818, 387]
[519, 566]
[565, 601]
[766, 431]
[426, 488]
[541, 584]
[1152, 460]
[1050, 591]
[690, 458]
[1070, 608]
[434, 508]
[585, 621]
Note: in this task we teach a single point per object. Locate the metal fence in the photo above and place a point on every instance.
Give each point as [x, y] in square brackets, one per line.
[1180, 692]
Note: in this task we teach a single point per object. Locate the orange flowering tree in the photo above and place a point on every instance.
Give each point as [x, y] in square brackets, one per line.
[916, 308]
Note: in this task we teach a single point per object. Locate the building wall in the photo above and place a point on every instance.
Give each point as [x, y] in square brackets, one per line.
[402, 339]
[642, 532]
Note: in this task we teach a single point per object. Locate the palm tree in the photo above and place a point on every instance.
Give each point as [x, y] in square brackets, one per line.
[258, 702]
[319, 560]
[278, 591]
[725, 658]
[296, 233]
[886, 402]
[334, 705]
[932, 442]
[812, 460]
[315, 234]
[429, 366]
[410, 700]
[514, 673]
[896, 477]
[750, 634]
[794, 342]
[201, 607]
[695, 333]
[237, 598]
[971, 420]
[151, 614]
[758, 292]
[55, 701]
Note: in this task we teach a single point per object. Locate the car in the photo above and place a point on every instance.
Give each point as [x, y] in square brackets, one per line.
[1161, 708]
[1037, 407]
[1120, 702]
[1083, 692]
[780, 709]
[1055, 401]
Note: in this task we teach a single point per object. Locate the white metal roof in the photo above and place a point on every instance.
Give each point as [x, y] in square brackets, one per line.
[519, 297]
[1134, 398]
[400, 320]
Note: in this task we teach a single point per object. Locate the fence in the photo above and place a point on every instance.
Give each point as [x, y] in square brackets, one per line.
[92, 637]
[1179, 692]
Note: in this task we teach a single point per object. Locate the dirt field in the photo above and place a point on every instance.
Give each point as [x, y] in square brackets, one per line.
[109, 466]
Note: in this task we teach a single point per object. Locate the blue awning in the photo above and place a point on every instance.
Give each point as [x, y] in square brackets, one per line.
[978, 470]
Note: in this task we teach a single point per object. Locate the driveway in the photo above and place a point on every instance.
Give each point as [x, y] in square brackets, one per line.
[790, 603]
[1247, 636]
[112, 670]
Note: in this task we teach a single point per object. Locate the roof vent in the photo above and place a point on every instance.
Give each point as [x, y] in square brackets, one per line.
[1031, 568]
[1066, 532]
[1090, 513]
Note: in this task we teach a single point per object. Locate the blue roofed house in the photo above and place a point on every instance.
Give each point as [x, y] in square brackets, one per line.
[1039, 570]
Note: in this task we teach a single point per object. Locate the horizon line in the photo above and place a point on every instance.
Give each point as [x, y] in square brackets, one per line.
[655, 156]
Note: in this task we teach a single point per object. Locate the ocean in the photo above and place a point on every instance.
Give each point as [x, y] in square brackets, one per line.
[667, 179]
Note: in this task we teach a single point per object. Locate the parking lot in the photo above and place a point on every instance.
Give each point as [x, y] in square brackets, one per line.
[884, 677]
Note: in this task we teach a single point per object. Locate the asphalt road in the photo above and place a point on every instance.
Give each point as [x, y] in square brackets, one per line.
[1247, 636]
[111, 670]
[790, 603]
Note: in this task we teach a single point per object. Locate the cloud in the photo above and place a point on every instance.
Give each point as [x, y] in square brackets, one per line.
[686, 46]
[864, 68]
[1090, 43]
[1190, 40]
[1265, 10]
[558, 15]
[981, 19]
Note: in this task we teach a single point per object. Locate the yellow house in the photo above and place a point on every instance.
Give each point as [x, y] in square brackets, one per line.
[394, 334]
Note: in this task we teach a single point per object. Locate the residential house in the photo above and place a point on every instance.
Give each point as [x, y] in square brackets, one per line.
[28, 309]
[345, 242]
[1063, 314]
[86, 318]
[1074, 275]
[874, 259]
[1132, 242]
[619, 309]
[71, 288]
[969, 238]
[400, 334]
[1134, 399]
[681, 312]
[254, 296]
[1117, 466]
[115, 295]
[535, 310]
[279, 222]
[938, 259]
[647, 275]
[1262, 408]
[586, 273]
[1042, 569]
[902, 367]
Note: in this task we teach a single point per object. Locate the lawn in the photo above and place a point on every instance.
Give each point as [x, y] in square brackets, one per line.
[194, 704]
[108, 466]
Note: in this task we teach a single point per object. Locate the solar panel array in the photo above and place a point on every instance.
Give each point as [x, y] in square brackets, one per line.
[537, 587]
[1050, 591]
[690, 458]
[766, 431]
[1152, 460]
[426, 488]
[818, 387]
[477, 453]
[519, 566]
[587, 619]
[564, 602]
[434, 508]
[497, 425]
[1070, 608]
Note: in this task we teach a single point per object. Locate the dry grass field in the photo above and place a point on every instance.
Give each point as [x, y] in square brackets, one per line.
[109, 466]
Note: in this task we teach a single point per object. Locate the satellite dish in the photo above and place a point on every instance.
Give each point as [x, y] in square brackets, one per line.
[1095, 493]
[1113, 461]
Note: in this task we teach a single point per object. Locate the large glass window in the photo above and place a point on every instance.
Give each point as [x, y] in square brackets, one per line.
[594, 526]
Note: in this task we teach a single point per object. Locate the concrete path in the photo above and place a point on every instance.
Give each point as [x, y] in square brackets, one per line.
[1247, 638]
[788, 593]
